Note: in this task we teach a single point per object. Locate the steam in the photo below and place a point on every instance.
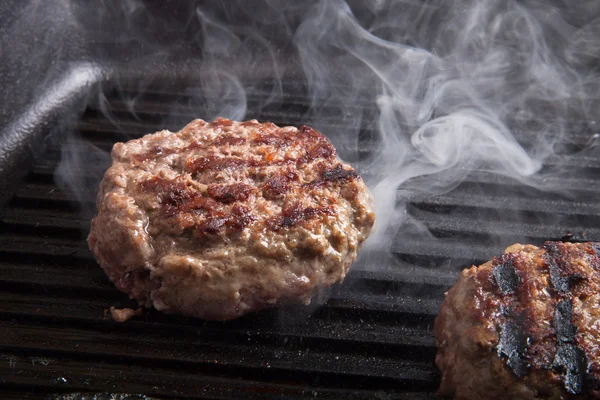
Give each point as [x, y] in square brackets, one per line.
[453, 84]
[417, 95]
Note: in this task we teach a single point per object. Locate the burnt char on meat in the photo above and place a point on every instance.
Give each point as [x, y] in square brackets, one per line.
[223, 218]
[525, 325]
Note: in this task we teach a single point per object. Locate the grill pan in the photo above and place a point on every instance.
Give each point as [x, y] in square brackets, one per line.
[368, 338]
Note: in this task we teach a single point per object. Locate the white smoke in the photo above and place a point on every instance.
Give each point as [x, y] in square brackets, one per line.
[417, 95]
[455, 83]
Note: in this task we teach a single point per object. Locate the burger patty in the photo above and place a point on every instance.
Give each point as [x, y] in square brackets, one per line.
[223, 218]
[525, 325]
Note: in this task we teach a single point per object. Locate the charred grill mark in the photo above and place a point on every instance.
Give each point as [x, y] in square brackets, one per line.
[179, 201]
[338, 173]
[321, 146]
[229, 193]
[311, 212]
[207, 163]
[240, 218]
[235, 221]
[514, 330]
[562, 348]
[562, 273]
[560, 282]
[220, 210]
[175, 197]
[505, 275]
[278, 185]
[322, 150]
[570, 361]
[230, 140]
[316, 145]
[279, 140]
[334, 175]
[513, 342]
[293, 214]
[311, 143]
[171, 193]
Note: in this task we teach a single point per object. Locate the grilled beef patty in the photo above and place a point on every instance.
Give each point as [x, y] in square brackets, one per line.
[525, 325]
[223, 218]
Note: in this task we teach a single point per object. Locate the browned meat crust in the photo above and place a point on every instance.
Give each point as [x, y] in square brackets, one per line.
[224, 218]
[524, 325]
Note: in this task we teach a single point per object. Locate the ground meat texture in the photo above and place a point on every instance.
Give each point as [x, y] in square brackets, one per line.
[525, 325]
[223, 218]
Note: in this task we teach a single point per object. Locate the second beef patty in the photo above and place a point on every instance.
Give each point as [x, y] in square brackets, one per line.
[525, 325]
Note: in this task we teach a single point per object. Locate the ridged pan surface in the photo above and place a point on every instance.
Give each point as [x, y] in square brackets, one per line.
[372, 337]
